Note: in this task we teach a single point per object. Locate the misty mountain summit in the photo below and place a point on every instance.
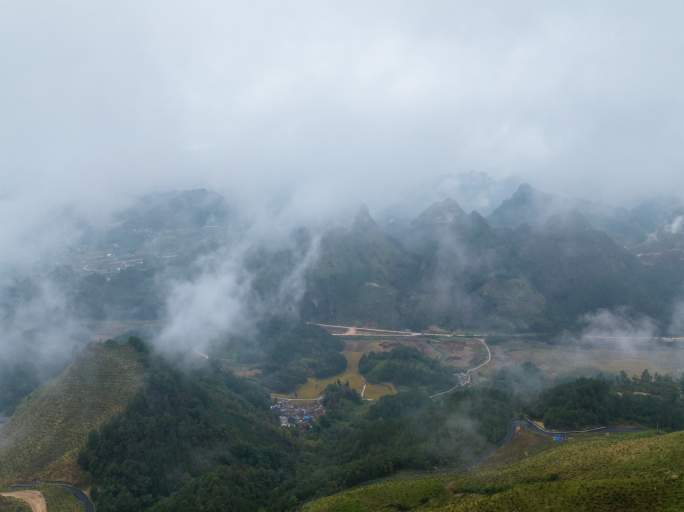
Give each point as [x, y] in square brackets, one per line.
[526, 206]
[446, 211]
[363, 221]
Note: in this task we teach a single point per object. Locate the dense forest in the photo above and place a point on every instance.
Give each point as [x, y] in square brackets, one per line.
[200, 438]
[204, 439]
[654, 401]
[406, 367]
[356, 443]
[294, 351]
[182, 425]
[286, 352]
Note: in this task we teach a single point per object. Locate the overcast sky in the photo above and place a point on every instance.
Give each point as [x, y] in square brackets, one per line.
[100, 99]
[332, 103]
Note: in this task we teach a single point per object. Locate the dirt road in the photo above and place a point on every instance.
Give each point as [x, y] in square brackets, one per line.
[35, 499]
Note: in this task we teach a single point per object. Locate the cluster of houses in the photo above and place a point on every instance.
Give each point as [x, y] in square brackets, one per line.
[297, 413]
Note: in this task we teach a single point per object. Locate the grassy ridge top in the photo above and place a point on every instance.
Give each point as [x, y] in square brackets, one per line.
[607, 473]
[50, 426]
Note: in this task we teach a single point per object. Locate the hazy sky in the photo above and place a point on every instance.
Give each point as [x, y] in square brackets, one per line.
[332, 103]
[337, 98]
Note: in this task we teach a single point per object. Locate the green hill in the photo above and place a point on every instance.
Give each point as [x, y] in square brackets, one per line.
[619, 472]
[47, 430]
[191, 435]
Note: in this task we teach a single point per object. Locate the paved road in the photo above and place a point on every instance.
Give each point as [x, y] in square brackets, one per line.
[83, 498]
[528, 424]
[351, 330]
[617, 429]
[465, 378]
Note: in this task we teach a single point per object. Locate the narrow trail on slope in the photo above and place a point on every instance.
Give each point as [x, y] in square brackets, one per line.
[34, 499]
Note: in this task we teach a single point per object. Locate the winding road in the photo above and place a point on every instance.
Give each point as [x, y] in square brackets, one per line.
[616, 429]
[466, 377]
[29, 487]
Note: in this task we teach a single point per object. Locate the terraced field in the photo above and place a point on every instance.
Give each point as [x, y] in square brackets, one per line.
[627, 472]
[43, 437]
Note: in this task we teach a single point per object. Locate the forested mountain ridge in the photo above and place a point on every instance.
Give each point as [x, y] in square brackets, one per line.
[536, 267]
[537, 262]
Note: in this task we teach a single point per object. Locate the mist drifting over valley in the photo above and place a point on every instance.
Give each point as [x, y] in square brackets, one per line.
[261, 188]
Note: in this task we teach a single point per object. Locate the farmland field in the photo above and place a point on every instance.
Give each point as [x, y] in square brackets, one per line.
[313, 388]
[458, 353]
[605, 356]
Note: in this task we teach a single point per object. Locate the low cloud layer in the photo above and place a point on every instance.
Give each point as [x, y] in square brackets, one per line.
[619, 327]
[299, 111]
[344, 100]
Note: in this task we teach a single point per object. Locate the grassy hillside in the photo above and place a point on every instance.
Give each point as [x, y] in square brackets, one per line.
[50, 426]
[605, 473]
[13, 505]
[60, 500]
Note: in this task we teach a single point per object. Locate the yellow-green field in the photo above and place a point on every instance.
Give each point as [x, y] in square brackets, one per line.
[313, 388]
[459, 353]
